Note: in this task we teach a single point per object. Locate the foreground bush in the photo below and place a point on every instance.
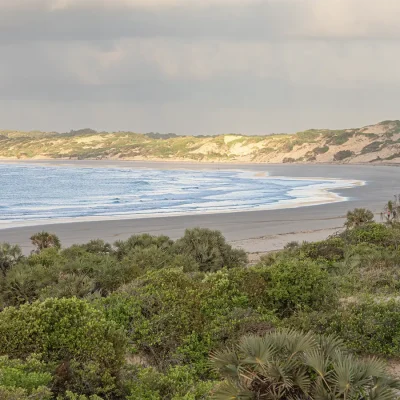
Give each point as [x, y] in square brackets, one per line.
[177, 383]
[23, 380]
[175, 318]
[291, 365]
[87, 349]
[298, 284]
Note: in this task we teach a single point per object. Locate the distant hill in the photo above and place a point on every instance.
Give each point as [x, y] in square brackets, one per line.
[371, 144]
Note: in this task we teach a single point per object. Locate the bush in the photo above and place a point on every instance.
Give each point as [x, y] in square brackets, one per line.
[358, 217]
[210, 250]
[372, 233]
[9, 256]
[173, 317]
[342, 155]
[287, 160]
[177, 383]
[44, 240]
[339, 138]
[152, 258]
[298, 284]
[321, 150]
[24, 379]
[369, 148]
[331, 250]
[137, 242]
[87, 348]
[369, 326]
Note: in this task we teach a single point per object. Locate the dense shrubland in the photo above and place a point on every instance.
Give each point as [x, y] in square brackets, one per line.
[151, 318]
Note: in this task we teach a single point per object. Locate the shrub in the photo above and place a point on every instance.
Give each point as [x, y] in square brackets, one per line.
[321, 150]
[178, 382]
[24, 379]
[331, 250]
[173, 317]
[342, 155]
[9, 256]
[292, 245]
[369, 327]
[371, 269]
[358, 217]
[372, 233]
[369, 148]
[45, 240]
[298, 284]
[339, 138]
[153, 257]
[87, 348]
[24, 282]
[98, 246]
[287, 160]
[137, 242]
[210, 250]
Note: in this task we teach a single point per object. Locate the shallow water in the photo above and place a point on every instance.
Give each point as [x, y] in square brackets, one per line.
[34, 192]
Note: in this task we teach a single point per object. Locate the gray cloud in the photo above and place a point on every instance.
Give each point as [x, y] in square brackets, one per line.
[198, 66]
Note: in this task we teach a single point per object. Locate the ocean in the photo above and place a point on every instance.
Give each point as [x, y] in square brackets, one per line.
[35, 193]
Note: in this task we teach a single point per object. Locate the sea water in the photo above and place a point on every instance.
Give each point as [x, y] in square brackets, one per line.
[46, 193]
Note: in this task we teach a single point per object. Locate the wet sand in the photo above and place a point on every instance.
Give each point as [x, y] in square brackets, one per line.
[255, 231]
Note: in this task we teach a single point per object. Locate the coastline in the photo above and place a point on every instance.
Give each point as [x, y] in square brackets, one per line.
[255, 231]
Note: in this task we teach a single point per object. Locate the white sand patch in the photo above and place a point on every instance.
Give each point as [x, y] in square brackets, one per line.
[231, 138]
[378, 128]
[207, 148]
[90, 139]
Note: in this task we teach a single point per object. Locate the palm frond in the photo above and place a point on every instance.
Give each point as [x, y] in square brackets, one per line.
[317, 360]
[226, 362]
[301, 343]
[302, 380]
[381, 393]
[256, 351]
[343, 374]
[330, 345]
[375, 367]
[229, 391]
[321, 392]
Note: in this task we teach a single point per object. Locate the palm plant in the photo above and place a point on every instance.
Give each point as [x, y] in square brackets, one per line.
[9, 256]
[44, 240]
[290, 365]
[358, 217]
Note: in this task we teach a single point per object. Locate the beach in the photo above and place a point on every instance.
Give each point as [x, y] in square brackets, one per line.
[257, 232]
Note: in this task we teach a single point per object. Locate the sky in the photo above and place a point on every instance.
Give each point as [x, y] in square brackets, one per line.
[198, 66]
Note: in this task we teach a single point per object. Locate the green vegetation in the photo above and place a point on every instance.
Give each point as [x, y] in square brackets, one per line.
[90, 144]
[338, 138]
[358, 217]
[369, 148]
[342, 155]
[321, 150]
[151, 318]
[290, 365]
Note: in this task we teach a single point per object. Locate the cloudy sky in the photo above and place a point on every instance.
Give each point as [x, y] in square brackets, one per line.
[198, 66]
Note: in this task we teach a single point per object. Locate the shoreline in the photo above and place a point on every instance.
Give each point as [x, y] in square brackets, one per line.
[256, 231]
[223, 163]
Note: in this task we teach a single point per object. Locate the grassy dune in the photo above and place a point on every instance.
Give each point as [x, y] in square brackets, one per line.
[370, 144]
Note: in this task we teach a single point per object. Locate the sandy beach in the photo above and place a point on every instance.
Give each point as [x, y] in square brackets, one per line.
[255, 231]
